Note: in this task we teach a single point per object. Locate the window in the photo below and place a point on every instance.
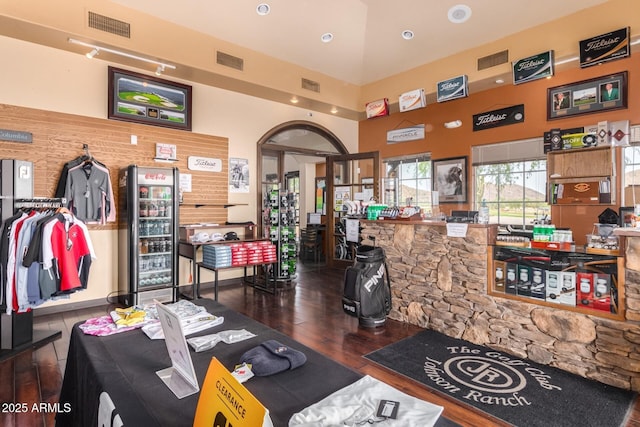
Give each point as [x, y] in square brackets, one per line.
[408, 179]
[631, 173]
[511, 178]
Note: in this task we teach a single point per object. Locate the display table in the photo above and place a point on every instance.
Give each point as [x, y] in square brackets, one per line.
[116, 375]
[189, 250]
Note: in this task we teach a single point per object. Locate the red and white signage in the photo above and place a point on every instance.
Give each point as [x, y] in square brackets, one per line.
[377, 108]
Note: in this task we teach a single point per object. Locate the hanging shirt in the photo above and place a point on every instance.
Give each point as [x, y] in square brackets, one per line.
[4, 259]
[68, 250]
[22, 272]
[11, 297]
[87, 190]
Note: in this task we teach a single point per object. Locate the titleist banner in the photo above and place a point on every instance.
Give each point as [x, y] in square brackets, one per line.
[605, 47]
[496, 118]
[533, 68]
[454, 88]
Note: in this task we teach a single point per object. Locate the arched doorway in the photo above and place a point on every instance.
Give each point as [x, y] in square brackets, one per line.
[294, 149]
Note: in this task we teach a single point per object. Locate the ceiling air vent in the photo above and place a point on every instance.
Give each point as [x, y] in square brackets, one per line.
[493, 60]
[229, 61]
[109, 25]
[310, 85]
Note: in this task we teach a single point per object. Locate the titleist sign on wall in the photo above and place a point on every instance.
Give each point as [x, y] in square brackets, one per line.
[454, 88]
[605, 47]
[533, 68]
[496, 118]
[205, 164]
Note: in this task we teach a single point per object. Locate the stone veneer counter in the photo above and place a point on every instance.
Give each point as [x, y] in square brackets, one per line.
[440, 282]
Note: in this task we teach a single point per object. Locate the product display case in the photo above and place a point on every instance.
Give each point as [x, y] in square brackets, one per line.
[571, 280]
[148, 235]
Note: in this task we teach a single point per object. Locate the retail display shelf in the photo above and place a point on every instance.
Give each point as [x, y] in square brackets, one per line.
[552, 246]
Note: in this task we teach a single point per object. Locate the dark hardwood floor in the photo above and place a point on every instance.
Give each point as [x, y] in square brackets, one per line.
[310, 313]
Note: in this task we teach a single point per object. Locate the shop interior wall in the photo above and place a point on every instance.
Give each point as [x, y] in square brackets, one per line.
[444, 143]
[67, 90]
[59, 138]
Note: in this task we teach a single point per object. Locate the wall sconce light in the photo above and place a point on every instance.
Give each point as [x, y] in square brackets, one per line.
[96, 49]
[454, 124]
[93, 53]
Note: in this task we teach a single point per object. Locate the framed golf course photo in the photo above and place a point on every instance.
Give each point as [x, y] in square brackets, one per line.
[138, 98]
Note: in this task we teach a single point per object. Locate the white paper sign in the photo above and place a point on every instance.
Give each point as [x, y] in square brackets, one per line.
[456, 229]
[353, 230]
[185, 182]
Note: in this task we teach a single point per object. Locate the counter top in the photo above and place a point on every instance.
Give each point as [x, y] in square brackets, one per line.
[427, 222]
[627, 231]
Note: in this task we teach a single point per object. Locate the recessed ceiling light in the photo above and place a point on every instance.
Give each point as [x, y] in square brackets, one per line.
[263, 9]
[459, 13]
[326, 37]
[294, 100]
[407, 34]
[334, 110]
[499, 81]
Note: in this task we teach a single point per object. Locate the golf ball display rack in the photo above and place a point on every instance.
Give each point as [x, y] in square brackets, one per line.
[279, 220]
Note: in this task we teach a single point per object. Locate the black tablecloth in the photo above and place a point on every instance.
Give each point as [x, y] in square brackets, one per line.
[116, 375]
[124, 367]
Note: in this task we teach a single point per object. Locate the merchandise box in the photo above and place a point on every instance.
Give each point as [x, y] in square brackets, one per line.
[523, 287]
[499, 276]
[584, 286]
[553, 280]
[561, 287]
[602, 291]
[511, 282]
[538, 283]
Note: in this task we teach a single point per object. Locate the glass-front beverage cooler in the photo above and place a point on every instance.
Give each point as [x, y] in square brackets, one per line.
[148, 235]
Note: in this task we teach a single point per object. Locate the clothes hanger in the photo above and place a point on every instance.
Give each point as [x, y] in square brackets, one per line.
[63, 210]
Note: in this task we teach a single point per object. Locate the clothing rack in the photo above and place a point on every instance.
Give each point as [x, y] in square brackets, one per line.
[16, 329]
[39, 203]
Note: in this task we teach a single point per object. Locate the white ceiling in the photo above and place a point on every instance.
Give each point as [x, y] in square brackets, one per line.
[367, 44]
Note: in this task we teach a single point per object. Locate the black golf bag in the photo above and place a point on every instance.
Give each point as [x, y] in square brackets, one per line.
[367, 288]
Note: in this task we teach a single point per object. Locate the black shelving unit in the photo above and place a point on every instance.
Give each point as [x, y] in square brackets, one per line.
[279, 223]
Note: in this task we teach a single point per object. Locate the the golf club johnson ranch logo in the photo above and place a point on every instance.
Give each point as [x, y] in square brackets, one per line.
[485, 376]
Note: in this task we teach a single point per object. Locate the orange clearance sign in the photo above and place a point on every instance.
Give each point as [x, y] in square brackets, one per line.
[224, 402]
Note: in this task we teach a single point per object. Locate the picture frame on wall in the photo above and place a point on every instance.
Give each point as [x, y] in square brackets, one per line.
[587, 96]
[450, 179]
[138, 98]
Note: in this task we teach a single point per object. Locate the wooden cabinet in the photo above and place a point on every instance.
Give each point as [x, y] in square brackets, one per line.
[582, 176]
[582, 183]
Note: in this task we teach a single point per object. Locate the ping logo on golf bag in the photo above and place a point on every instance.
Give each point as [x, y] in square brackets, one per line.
[374, 279]
[367, 295]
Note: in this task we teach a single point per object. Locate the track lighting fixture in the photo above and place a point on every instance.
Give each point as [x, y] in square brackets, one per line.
[93, 53]
[97, 49]
[453, 124]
